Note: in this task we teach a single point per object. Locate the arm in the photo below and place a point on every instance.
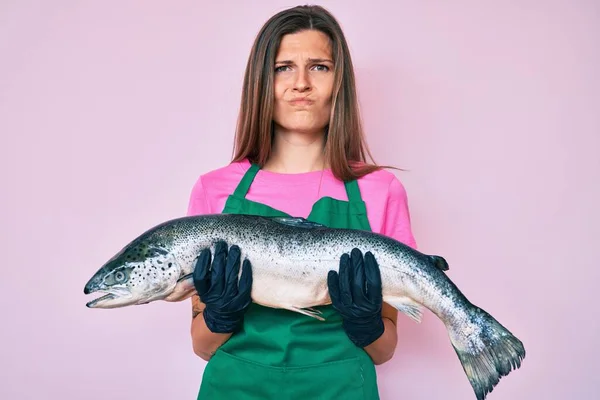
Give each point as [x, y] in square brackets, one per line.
[383, 348]
[368, 322]
[204, 342]
[218, 309]
[371, 324]
[397, 224]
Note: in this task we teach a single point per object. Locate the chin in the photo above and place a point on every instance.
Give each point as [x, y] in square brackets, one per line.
[307, 130]
[303, 127]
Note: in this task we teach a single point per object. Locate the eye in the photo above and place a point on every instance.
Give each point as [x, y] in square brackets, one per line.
[281, 68]
[119, 276]
[322, 67]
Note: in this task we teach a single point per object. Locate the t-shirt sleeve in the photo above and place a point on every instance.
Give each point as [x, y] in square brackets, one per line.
[397, 222]
[198, 202]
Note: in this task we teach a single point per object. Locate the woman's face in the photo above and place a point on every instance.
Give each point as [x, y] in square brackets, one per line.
[303, 82]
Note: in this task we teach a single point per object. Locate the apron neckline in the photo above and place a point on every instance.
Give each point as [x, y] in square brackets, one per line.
[355, 202]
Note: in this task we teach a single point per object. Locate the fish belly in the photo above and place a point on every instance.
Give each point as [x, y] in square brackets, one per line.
[289, 283]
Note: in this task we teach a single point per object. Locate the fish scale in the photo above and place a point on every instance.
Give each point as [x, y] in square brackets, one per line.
[290, 259]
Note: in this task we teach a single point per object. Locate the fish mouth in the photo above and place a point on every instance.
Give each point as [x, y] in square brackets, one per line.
[100, 300]
[113, 298]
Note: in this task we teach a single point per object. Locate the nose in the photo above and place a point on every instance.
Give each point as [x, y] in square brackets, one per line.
[302, 82]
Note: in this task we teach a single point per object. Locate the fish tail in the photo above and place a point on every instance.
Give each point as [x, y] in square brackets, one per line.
[493, 353]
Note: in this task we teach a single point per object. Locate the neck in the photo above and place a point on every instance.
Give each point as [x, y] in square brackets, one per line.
[296, 153]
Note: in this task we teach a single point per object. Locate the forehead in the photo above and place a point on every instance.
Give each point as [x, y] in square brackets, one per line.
[304, 44]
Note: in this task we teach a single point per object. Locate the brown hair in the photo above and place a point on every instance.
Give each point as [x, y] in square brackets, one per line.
[345, 147]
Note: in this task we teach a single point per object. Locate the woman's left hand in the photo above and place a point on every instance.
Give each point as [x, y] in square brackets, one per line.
[356, 294]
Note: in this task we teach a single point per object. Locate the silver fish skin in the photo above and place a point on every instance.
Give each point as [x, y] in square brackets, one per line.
[290, 259]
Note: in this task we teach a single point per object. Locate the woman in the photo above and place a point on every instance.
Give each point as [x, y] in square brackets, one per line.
[300, 152]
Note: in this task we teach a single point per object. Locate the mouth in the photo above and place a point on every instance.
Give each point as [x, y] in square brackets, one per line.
[301, 102]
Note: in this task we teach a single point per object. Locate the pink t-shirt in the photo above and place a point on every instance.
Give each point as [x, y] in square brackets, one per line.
[384, 195]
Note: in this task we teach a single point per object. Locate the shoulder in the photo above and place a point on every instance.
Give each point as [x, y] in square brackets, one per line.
[231, 169]
[221, 177]
[210, 188]
[387, 205]
[383, 182]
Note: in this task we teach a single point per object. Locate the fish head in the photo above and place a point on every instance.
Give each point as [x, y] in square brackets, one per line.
[141, 272]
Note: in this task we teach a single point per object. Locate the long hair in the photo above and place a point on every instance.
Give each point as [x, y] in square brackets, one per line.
[345, 146]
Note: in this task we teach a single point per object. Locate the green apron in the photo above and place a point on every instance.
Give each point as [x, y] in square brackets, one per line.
[283, 355]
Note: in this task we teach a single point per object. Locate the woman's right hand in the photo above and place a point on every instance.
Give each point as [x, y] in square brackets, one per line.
[216, 282]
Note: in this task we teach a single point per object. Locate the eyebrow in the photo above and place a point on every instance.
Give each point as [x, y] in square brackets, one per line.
[313, 60]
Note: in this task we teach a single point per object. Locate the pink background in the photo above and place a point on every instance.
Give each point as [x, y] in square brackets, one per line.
[109, 111]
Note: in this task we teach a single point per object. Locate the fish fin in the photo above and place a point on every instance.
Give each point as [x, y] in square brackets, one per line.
[296, 222]
[407, 306]
[183, 289]
[440, 263]
[311, 312]
[489, 356]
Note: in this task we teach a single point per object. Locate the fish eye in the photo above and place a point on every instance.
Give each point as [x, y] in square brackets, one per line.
[119, 276]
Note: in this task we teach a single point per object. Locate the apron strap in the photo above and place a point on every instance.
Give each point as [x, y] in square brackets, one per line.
[353, 191]
[244, 185]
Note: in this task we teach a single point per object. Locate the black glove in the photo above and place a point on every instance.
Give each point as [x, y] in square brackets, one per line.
[217, 286]
[356, 294]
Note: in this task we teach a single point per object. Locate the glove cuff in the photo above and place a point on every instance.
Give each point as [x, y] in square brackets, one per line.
[364, 333]
[218, 323]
